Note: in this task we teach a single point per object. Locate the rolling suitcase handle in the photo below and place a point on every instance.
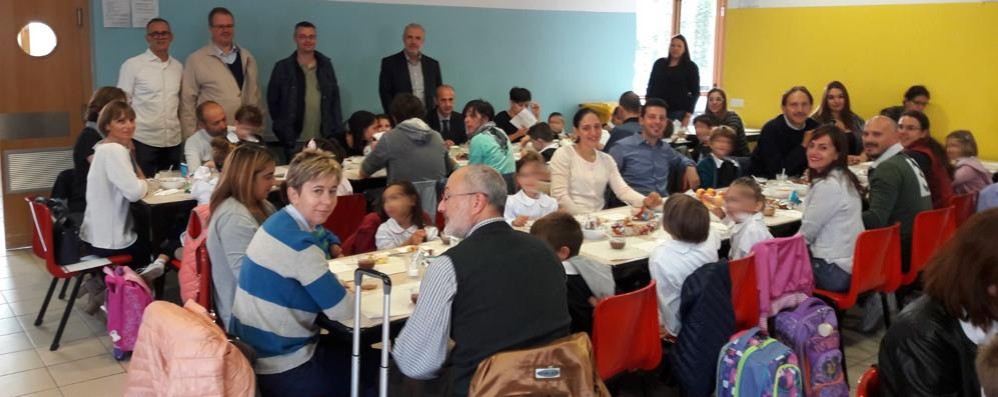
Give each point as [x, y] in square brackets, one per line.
[358, 276]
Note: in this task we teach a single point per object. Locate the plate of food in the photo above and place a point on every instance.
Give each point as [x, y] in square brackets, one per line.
[591, 228]
[711, 197]
[630, 228]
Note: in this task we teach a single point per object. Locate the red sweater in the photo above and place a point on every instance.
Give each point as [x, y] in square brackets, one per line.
[936, 173]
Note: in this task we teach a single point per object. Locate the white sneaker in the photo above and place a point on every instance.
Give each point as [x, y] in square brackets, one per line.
[153, 271]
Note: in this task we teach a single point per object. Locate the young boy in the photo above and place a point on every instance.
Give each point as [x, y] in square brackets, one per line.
[716, 169]
[542, 139]
[249, 122]
[557, 123]
[703, 124]
[587, 281]
[529, 203]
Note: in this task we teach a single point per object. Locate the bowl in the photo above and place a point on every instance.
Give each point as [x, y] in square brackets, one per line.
[617, 243]
[593, 234]
[366, 262]
[172, 182]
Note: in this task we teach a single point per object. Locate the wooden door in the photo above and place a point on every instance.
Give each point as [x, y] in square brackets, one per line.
[42, 102]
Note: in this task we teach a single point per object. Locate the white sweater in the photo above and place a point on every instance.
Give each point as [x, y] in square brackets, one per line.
[521, 204]
[390, 234]
[111, 185]
[579, 185]
[833, 219]
[670, 264]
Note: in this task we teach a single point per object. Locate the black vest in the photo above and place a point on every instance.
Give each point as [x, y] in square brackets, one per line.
[510, 295]
[236, 67]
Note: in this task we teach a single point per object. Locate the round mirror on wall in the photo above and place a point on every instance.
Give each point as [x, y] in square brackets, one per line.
[36, 39]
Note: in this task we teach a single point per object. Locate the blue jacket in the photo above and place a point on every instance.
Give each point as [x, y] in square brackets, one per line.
[708, 321]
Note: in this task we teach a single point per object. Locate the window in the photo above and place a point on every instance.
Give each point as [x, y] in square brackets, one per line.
[700, 21]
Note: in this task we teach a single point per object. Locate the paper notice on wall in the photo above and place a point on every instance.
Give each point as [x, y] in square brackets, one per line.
[117, 13]
[143, 11]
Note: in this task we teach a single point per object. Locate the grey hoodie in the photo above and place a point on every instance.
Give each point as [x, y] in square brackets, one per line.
[412, 151]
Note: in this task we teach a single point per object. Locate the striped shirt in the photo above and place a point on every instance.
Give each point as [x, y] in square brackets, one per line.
[284, 284]
[421, 347]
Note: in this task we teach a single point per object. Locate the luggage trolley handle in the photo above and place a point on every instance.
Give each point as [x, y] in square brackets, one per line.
[385, 341]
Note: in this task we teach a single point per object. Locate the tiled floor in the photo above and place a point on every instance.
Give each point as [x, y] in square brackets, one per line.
[83, 365]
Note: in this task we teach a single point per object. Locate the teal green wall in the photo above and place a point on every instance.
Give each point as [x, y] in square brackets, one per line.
[568, 56]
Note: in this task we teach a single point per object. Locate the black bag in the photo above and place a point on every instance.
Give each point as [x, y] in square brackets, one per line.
[65, 231]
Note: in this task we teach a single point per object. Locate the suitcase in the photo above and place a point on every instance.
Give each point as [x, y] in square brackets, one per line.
[358, 276]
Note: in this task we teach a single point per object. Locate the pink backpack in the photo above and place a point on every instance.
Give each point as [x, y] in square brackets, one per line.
[784, 276]
[189, 276]
[127, 297]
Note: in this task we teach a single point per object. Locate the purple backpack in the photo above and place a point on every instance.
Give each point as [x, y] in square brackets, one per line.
[753, 365]
[813, 332]
[127, 297]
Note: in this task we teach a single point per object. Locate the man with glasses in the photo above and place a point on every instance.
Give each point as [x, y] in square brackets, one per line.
[152, 82]
[497, 290]
[221, 71]
[916, 98]
[303, 94]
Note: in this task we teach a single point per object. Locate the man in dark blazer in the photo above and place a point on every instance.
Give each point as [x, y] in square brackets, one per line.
[444, 119]
[409, 71]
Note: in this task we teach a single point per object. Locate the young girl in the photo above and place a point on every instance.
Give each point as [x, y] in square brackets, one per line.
[742, 212]
[692, 245]
[406, 224]
[970, 175]
[529, 203]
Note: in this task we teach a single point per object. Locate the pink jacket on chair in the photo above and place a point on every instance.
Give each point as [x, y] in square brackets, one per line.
[783, 273]
[182, 352]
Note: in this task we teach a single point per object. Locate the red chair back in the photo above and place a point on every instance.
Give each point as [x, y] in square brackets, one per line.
[963, 207]
[347, 215]
[932, 229]
[876, 265]
[626, 332]
[42, 243]
[744, 292]
[869, 384]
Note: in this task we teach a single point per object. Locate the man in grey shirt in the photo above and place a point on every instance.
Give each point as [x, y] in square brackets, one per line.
[197, 148]
[412, 151]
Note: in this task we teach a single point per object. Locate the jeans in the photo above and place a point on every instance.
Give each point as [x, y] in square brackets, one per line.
[830, 277]
[327, 373]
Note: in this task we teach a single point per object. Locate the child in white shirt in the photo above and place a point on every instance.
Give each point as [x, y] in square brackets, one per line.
[742, 212]
[406, 224]
[529, 203]
[692, 245]
[249, 122]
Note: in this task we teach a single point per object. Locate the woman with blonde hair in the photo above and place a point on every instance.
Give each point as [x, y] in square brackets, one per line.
[238, 206]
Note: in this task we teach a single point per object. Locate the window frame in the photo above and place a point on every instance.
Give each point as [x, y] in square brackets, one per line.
[722, 9]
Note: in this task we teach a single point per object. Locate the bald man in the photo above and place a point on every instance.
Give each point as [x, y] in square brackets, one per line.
[481, 292]
[212, 122]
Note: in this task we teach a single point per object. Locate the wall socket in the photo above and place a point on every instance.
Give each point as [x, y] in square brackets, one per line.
[737, 103]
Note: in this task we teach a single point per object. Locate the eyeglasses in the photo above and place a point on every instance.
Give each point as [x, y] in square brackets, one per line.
[448, 196]
[159, 34]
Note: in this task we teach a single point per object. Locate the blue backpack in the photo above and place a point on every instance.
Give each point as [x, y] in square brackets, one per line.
[753, 365]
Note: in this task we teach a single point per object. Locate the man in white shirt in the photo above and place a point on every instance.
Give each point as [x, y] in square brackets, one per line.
[152, 82]
[197, 149]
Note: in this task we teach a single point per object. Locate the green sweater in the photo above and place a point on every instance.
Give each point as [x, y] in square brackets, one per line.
[490, 146]
[898, 192]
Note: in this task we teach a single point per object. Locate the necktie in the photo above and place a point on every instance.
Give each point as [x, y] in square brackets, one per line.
[445, 127]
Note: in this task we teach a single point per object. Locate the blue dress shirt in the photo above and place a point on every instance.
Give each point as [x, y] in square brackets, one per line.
[645, 167]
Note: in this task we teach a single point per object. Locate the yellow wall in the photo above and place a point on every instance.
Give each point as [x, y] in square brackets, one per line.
[877, 51]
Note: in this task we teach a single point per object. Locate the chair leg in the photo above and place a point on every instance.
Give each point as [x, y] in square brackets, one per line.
[62, 292]
[45, 303]
[65, 314]
[887, 310]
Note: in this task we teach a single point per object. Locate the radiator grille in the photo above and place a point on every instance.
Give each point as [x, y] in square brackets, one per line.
[27, 170]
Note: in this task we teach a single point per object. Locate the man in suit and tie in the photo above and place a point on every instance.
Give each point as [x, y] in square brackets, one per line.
[409, 71]
[444, 119]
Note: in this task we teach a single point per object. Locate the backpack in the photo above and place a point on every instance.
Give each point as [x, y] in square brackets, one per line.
[754, 365]
[812, 330]
[783, 272]
[190, 275]
[65, 230]
[127, 297]
[564, 367]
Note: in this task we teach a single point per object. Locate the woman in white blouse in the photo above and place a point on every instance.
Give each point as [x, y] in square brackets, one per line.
[113, 182]
[580, 172]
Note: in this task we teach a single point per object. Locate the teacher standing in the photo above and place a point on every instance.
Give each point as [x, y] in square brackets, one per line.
[676, 80]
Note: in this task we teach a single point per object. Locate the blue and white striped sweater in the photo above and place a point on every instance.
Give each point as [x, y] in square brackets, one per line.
[283, 284]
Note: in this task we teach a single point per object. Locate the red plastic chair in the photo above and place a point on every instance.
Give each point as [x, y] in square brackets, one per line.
[932, 229]
[43, 245]
[869, 384]
[963, 207]
[347, 215]
[876, 267]
[626, 332]
[744, 292]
